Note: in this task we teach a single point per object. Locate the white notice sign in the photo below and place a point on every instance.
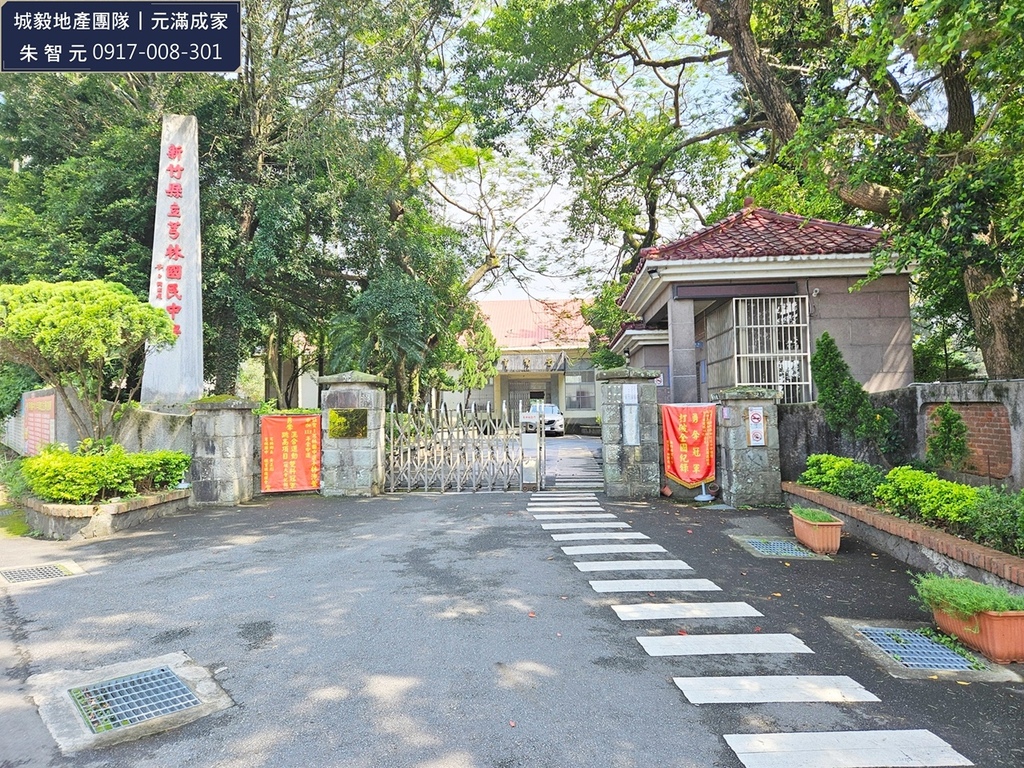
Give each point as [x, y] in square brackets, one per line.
[755, 425]
[630, 394]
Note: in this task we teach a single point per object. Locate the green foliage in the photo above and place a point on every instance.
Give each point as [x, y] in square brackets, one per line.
[921, 495]
[989, 516]
[60, 476]
[11, 478]
[814, 515]
[70, 334]
[947, 441]
[844, 403]
[15, 380]
[954, 645]
[935, 360]
[606, 317]
[997, 520]
[842, 476]
[963, 598]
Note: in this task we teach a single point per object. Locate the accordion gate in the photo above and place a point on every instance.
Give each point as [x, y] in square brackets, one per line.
[453, 450]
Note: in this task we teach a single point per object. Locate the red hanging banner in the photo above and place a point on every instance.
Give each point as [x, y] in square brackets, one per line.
[290, 454]
[689, 438]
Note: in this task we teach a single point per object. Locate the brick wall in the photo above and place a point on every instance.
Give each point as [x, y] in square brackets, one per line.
[988, 437]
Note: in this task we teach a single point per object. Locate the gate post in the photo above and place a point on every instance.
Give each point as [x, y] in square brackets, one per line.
[630, 433]
[224, 440]
[352, 425]
[748, 439]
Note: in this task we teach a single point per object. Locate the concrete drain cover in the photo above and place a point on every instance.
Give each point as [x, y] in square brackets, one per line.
[775, 546]
[132, 699]
[912, 649]
[39, 572]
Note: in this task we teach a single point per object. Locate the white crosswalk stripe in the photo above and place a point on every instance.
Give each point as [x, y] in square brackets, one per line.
[654, 611]
[612, 549]
[632, 565]
[655, 585]
[710, 645]
[844, 749]
[597, 536]
[573, 516]
[582, 525]
[750, 689]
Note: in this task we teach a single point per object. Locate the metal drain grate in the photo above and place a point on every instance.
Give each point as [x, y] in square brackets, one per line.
[914, 650]
[133, 699]
[34, 573]
[779, 548]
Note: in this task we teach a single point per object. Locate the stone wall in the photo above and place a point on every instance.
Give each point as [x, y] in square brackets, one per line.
[993, 412]
[630, 433]
[224, 438]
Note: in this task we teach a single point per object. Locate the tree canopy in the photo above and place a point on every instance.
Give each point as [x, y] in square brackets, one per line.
[81, 335]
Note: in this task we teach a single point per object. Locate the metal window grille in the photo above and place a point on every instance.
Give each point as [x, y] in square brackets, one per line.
[772, 348]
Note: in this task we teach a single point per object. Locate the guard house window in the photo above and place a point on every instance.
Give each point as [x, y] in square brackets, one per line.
[580, 388]
[772, 348]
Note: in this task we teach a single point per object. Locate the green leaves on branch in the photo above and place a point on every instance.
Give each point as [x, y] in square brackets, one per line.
[69, 333]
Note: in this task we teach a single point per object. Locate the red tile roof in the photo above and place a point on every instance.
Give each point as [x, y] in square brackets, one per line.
[529, 323]
[759, 233]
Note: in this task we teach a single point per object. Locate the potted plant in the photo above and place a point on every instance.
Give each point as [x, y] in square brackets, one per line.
[986, 618]
[817, 530]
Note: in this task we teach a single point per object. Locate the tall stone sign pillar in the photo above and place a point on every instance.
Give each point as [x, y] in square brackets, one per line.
[630, 433]
[749, 469]
[175, 375]
[353, 434]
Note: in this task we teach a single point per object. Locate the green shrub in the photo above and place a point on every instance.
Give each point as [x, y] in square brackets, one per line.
[963, 598]
[57, 475]
[947, 443]
[842, 476]
[921, 495]
[997, 520]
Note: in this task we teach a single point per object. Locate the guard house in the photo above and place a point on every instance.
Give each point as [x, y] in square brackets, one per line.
[744, 300]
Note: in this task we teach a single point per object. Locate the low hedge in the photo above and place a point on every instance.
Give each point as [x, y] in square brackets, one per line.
[989, 516]
[91, 475]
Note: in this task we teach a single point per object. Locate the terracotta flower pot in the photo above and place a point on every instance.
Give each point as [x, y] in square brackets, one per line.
[997, 635]
[822, 538]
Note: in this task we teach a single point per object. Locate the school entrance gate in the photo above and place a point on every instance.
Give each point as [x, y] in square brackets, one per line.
[463, 450]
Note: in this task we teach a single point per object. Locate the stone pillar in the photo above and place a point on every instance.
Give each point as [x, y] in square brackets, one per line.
[682, 348]
[749, 470]
[224, 439]
[630, 433]
[353, 434]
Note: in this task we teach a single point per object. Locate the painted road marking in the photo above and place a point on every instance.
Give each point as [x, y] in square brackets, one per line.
[564, 508]
[642, 611]
[655, 585]
[598, 536]
[585, 516]
[613, 549]
[772, 688]
[701, 645]
[844, 749]
[582, 525]
[633, 565]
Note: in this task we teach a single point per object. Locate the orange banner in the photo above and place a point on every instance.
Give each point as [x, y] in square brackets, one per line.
[290, 459]
[689, 437]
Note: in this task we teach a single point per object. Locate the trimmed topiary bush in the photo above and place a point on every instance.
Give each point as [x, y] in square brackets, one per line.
[842, 476]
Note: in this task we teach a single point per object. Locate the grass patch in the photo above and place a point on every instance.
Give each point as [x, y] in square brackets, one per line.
[12, 523]
[814, 515]
[954, 645]
[963, 598]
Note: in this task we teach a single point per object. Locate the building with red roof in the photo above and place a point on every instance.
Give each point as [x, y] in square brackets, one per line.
[742, 302]
[544, 356]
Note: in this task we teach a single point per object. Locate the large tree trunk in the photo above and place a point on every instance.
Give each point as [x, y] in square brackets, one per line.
[998, 313]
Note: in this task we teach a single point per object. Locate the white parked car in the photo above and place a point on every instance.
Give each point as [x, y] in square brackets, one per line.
[554, 421]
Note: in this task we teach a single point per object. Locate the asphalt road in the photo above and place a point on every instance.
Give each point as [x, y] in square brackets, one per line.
[450, 630]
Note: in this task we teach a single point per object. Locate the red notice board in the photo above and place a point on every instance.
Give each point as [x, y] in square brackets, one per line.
[290, 450]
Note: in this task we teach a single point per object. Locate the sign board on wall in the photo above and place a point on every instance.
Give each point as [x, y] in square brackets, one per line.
[40, 422]
[755, 426]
